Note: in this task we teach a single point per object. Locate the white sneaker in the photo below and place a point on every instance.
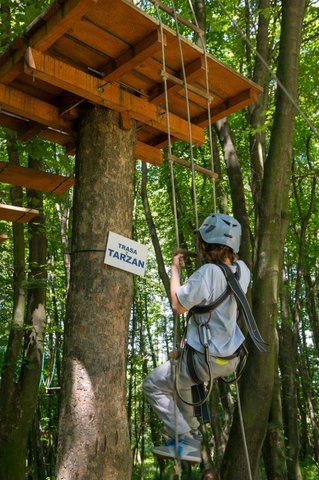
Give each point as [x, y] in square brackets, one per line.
[188, 450]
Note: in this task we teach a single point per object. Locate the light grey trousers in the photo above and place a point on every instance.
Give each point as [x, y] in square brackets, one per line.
[159, 390]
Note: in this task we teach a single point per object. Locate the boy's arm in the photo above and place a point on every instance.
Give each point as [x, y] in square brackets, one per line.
[177, 263]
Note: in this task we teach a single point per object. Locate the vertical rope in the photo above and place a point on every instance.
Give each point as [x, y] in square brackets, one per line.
[243, 432]
[168, 125]
[209, 101]
[188, 113]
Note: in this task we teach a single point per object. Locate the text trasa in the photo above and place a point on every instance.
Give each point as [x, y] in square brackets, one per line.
[127, 249]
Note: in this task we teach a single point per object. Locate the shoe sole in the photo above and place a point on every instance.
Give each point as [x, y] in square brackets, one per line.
[168, 456]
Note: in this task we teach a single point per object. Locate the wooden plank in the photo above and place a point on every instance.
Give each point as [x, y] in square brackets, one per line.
[3, 237]
[107, 95]
[43, 38]
[193, 71]
[190, 88]
[187, 164]
[35, 179]
[134, 56]
[148, 154]
[181, 19]
[10, 213]
[31, 108]
[226, 108]
[98, 38]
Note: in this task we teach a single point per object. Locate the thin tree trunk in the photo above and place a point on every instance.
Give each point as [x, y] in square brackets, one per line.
[258, 109]
[93, 428]
[237, 187]
[152, 229]
[311, 305]
[308, 408]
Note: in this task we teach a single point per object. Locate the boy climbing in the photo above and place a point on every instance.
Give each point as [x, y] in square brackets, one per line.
[213, 337]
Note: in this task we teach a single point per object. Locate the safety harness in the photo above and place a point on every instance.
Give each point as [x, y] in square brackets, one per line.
[198, 390]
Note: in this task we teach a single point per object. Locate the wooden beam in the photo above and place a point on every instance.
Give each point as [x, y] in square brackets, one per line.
[108, 95]
[3, 237]
[226, 108]
[35, 179]
[134, 56]
[148, 154]
[126, 121]
[31, 108]
[11, 213]
[197, 168]
[31, 131]
[56, 136]
[142, 151]
[43, 38]
[193, 71]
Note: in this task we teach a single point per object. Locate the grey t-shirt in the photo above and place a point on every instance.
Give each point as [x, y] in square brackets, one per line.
[202, 288]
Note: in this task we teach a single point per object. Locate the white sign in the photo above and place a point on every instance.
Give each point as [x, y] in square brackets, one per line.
[126, 254]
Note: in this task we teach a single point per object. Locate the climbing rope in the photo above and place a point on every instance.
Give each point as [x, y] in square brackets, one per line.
[209, 101]
[168, 126]
[243, 432]
[48, 381]
[188, 113]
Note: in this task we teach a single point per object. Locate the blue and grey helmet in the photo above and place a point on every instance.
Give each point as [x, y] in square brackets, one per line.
[221, 229]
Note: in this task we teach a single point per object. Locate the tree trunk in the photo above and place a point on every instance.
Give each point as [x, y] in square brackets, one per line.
[274, 445]
[152, 229]
[258, 109]
[237, 186]
[258, 379]
[94, 437]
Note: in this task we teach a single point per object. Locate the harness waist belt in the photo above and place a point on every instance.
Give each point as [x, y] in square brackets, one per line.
[230, 357]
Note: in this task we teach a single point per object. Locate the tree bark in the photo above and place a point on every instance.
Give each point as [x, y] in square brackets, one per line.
[258, 380]
[93, 437]
[274, 445]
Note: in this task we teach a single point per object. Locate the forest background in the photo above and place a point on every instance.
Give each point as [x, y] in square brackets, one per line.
[35, 261]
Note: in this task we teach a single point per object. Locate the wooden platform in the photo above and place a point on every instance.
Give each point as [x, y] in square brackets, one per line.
[34, 179]
[12, 213]
[108, 52]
